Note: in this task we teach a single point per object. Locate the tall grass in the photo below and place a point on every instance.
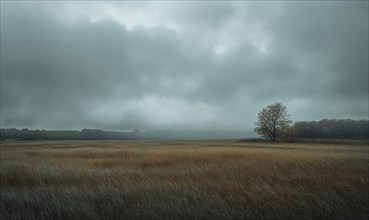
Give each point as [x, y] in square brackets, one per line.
[183, 180]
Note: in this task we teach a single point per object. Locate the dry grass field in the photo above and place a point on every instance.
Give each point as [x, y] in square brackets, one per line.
[183, 180]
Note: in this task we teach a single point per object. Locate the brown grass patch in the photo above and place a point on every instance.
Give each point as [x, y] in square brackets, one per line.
[189, 179]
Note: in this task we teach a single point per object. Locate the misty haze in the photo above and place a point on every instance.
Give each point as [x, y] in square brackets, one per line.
[184, 110]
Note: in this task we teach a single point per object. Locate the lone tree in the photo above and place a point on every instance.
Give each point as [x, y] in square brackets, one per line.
[273, 121]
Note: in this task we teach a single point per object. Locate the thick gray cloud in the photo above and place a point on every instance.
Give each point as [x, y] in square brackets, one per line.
[180, 65]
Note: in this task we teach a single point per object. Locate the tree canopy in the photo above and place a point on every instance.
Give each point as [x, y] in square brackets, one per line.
[273, 121]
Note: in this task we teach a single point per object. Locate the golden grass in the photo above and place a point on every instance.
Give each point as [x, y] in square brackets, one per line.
[182, 180]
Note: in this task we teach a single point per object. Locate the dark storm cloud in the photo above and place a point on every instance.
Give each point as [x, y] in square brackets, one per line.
[332, 38]
[180, 65]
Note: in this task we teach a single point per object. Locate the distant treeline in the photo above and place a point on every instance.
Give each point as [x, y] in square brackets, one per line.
[96, 134]
[332, 128]
[84, 134]
[327, 128]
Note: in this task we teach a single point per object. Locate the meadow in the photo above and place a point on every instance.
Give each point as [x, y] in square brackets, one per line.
[183, 180]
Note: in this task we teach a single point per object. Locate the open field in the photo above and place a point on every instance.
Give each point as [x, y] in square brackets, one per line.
[183, 180]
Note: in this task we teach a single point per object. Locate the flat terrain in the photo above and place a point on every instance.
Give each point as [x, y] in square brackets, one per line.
[183, 180]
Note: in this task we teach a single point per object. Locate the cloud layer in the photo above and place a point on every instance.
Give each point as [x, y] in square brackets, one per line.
[180, 65]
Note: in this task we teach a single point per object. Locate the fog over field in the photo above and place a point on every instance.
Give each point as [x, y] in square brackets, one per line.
[180, 65]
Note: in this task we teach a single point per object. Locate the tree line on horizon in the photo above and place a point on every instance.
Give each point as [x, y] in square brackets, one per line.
[326, 128]
[332, 128]
[274, 122]
[84, 134]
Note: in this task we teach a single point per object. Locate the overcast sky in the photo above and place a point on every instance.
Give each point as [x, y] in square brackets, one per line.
[180, 65]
